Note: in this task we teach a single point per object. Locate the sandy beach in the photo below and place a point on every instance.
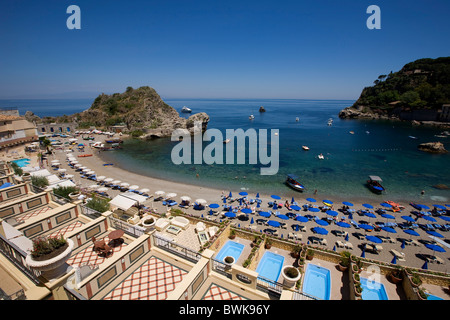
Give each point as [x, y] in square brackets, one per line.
[214, 195]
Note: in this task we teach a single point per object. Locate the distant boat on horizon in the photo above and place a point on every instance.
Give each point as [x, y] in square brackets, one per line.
[186, 110]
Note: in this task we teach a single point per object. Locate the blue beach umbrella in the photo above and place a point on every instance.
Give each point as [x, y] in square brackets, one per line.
[320, 230]
[273, 223]
[312, 209]
[258, 205]
[296, 208]
[230, 214]
[224, 200]
[424, 206]
[370, 215]
[211, 212]
[334, 248]
[387, 216]
[257, 195]
[389, 229]
[311, 199]
[386, 205]
[434, 233]
[408, 218]
[346, 237]
[435, 247]
[214, 206]
[403, 244]
[322, 222]
[283, 217]
[264, 214]
[343, 224]
[363, 254]
[425, 266]
[439, 206]
[346, 203]
[350, 216]
[274, 196]
[301, 219]
[251, 221]
[411, 232]
[368, 206]
[374, 239]
[332, 213]
[394, 260]
[328, 202]
[243, 193]
[292, 200]
[246, 210]
[428, 218]
[365, 226]
[445, 218]
[230, 195]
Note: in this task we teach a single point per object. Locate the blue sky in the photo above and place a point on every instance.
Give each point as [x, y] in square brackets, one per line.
[213, 49]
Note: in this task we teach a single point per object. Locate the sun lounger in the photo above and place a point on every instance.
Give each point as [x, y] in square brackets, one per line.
[339, 244]
[399, 255]
[348, 245]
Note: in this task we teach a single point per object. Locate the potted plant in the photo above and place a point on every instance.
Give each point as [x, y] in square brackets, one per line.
[358, 289]
[344, 262]
[148, 221]
[232, 234]
[290, 275]
[309, 254]
[355, 268]
[415, 280]
[422, 294]
[301, 262]
[268, 243]
[295, 253]
[356, 278]
[228, 261]
[396, 276]
[49, 256]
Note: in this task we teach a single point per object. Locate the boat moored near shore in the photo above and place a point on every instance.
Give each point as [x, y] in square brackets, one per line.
[374, 184]
[292, 181]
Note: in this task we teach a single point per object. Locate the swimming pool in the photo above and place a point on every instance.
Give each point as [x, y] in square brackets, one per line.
[373, 290]
[230, 248]
[270, 266]
[22, 162]
[317, 282]
[433, 297]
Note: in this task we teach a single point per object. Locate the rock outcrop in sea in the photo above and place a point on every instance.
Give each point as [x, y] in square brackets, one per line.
[432, 147]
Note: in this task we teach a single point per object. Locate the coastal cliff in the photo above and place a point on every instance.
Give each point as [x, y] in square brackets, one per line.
[417, 92]
[140, 111]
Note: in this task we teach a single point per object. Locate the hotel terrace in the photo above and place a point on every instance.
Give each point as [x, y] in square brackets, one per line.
[155, 256]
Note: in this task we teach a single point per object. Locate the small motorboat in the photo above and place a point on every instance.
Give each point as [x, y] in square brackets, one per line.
[352, 132]
[320, 156]
[297, 119]
[251, 117]
[412, 137]
[292, 181]
[226, 140]
[306, 148]
[330, 121]
[186, 110]
[374, 184]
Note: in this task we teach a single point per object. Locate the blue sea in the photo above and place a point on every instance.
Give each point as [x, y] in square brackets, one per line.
[382, 148]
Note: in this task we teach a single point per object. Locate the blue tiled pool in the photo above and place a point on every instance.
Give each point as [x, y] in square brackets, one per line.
[433, 297]
[230, 248]
[373, 290]
[317, 282]
[22, 162]
[270, 266]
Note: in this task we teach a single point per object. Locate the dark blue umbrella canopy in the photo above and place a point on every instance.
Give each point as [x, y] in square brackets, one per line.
[386, 205]
[296, 208]
[301, 219]
[439, 206]
[257, 195]
[343, 224]
[327, 201]
[312, 209]
[445, 218]
[311, 199]
[246, 210]
[374, 239]
[214, 206]
[283, 217]
[320, 230]
[435, 247]
[425, 265]
[365, 226]
[411, 232]
[322, 222]
[370, 214]
[274, 196]
[230, 214]
[264, 214]
[273, 223]
[387, 216]
[389, 229]
[368, 206]
[434, 233]
[346, 203]
[243, 193]
[332, 213]
[408, 218]
[424, 206]
[428, 218]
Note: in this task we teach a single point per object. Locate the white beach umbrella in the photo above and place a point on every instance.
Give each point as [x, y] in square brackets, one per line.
[69, 176]
[102, 189]
[134, 187]
[185, 198]
[171, 195]
[53, 161]
[124, 184]
[86, 170]
[101, 178]
[116, 182]
[201, 201]
[62, 170]
[94, 186]
[78, 165]
[82, 167]
[160, 193]
[74, 161]
[109, 180]
[55, 164]
[145, 190]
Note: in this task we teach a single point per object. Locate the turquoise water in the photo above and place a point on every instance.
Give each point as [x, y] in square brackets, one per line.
[270, 266]
[317, 282]
[22, 162]
[433, 297]
[373, 290]
[376, 148]
[230, 248]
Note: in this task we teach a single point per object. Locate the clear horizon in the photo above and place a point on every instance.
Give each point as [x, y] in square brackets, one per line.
[213, 50]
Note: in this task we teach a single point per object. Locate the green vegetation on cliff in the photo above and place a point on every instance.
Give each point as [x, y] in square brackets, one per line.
[422, 84]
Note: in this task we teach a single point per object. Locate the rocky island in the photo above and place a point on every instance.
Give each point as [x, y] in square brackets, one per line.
[419, 92]
[141, 112]
[432, 147]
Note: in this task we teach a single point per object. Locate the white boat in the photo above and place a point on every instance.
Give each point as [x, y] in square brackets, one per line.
[306, 148]
[251, 117]
[297, 119]
[320, 156]
[186, 110]
[330, 121]
[226, 140]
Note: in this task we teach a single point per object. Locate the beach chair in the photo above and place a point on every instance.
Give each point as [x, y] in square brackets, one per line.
[348, 245]
[302, 228]
[291, 235]
[399, 255]
[340, 244]
[323, 241]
